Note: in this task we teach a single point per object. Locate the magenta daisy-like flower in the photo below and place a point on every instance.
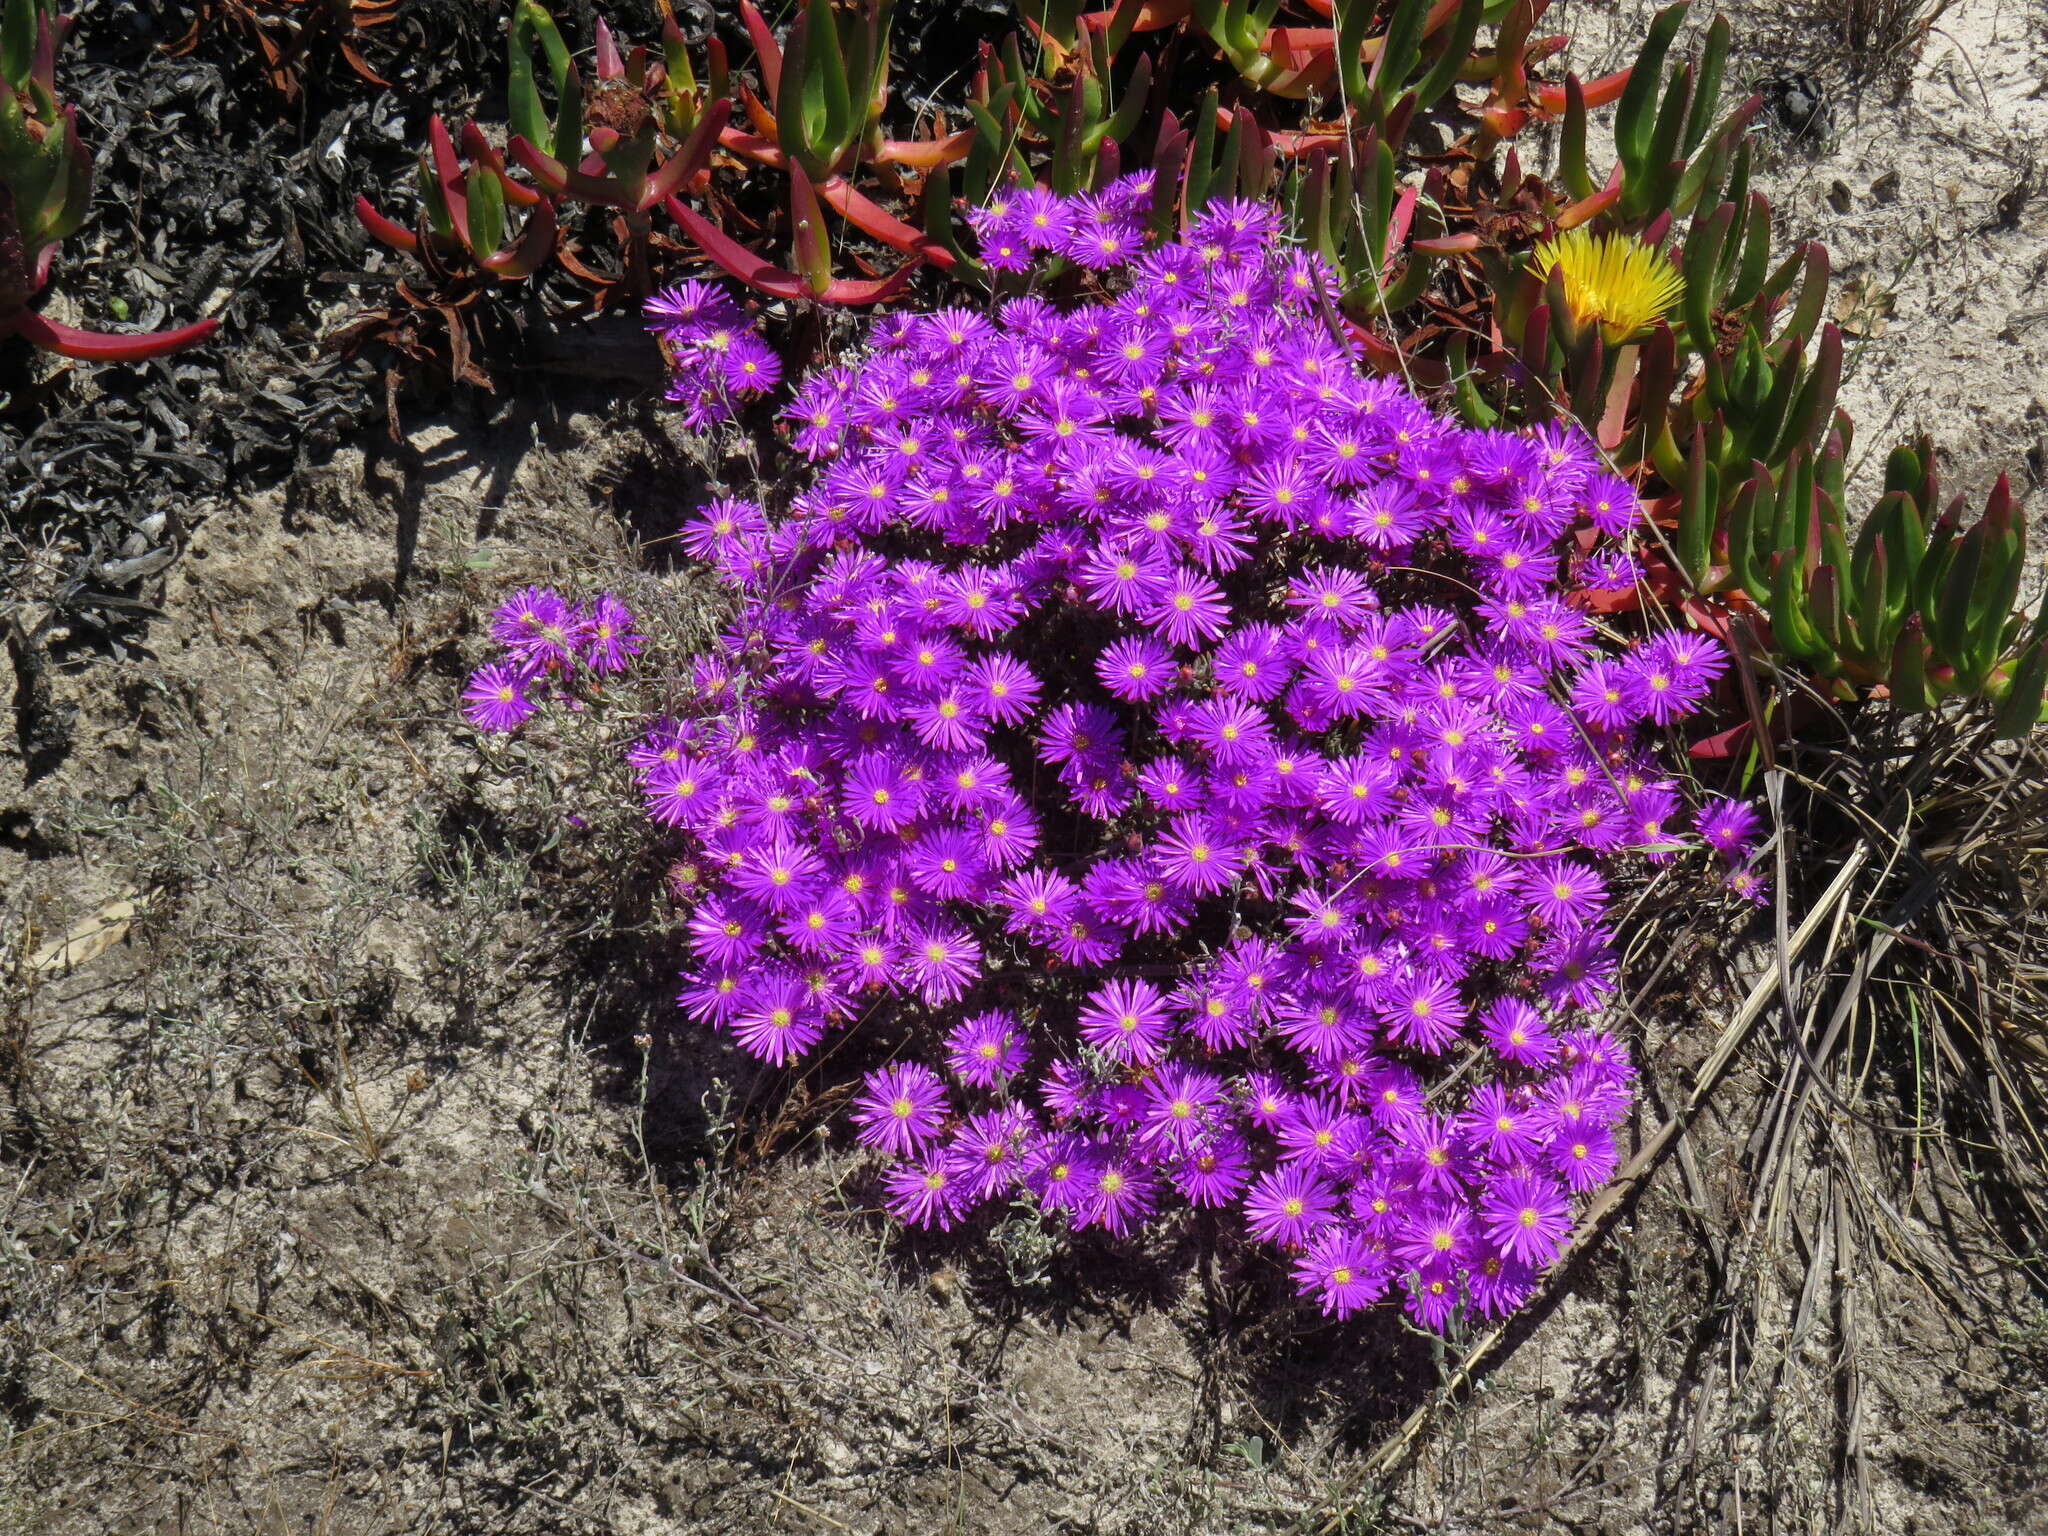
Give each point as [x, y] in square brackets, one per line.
[1005, 690]
[1585, 1157]
[775, 1023]
[1499, 1285]
[1289, 1203]
[1602, 694]
[779, 874]
[1517, 1033]
[1123, 580]
[1136, 669]
[1526, 1217]
[985, 1154]
[1436, 1234]
[986, 1049]
[1729, 827]
[1253, 664]
[1079, 733]
[1748, 881]
[1423, 1011]
[1127, 1021]
[923, 1192]
[1061, 1171]
[1508, 1132]
[1126, 1190]
[1565, 893]
[1234, 732]
[525, 617]
[1212, 1171]
[609, 641]
[1182, 1105]
[496, 699]
[900, 1108]
[880, 793]
[1344, 1270]
[939, 962]
[1189, 609]
[1194, 857]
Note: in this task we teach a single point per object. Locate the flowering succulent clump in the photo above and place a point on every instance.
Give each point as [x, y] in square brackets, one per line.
[715, 357]
[546, 640]
[1203, 734]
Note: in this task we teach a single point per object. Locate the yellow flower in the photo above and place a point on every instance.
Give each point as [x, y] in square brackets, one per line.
[1614, 280]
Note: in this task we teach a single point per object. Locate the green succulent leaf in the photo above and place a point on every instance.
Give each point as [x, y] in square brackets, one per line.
[1633, 125]
[18, 41]
[486, 211]
[1907, 675]
[1696, 512]
[2020, 710]
[567, 140]
[1707, 93]
[1454, 49]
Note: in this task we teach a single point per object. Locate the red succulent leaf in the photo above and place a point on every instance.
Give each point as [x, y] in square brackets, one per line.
[102, 346]
[478, 148]
[755, 147]
[448, 172]
[1598, 93]
[1728, 743]
[609, 65]
[927, 154]
[381, 228]
[779, 282]
[768, 57]
[535, 244]
[559, 179]
[864, 214]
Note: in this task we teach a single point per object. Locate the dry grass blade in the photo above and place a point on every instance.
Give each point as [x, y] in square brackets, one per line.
[92, 936]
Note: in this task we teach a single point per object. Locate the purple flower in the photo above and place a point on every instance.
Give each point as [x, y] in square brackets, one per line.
[1127, 1022]
[1194, 857]
[901, 1108]
[774, 1021]
[1189, 609]
[1091, 637]
[609, 642]
[1125, 1193]
[1182, 1106]
[1344, 1270]
[984, 1155]
[986, 1048]
[939, 962]
[1061, 1171]
[1136, 668]
[923, 1193]
[1729, 827]
[1213, 1171]
[496, 699]
[1517, 1033]
[1286, 1205]
[1526, 1217]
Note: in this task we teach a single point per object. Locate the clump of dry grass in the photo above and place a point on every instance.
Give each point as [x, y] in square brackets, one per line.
[1847, 41]
[1879, 39]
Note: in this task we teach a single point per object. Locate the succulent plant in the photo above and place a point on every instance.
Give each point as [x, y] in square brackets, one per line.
[46, 178]
[828, 82]
[601, 147]
[466, 210]
[1916, 604]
